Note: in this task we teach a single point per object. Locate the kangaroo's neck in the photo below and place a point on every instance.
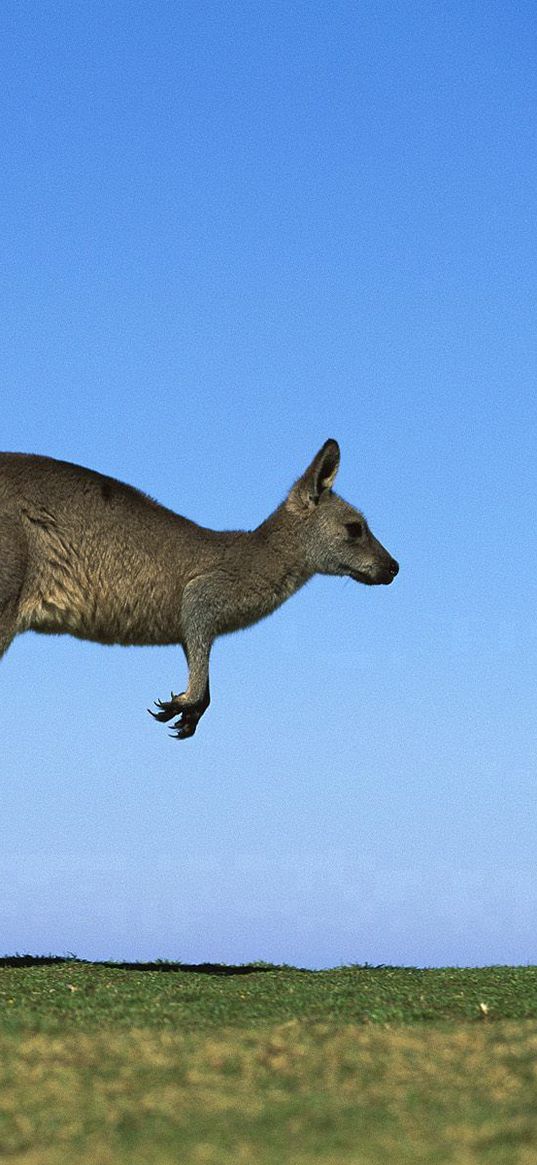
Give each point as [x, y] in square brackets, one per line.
[279, 549]
[262, 569]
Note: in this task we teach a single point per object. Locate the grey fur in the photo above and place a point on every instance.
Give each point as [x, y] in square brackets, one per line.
[85, 555]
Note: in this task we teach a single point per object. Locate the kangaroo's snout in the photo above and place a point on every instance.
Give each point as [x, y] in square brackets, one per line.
[392, 570]
[380, 573]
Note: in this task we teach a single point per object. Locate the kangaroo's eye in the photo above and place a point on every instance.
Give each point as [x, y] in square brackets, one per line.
[354, 529]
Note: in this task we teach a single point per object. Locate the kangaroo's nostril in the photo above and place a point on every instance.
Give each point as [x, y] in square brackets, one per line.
[394, 567]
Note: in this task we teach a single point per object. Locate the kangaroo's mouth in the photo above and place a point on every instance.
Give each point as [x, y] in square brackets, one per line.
[358, 577]
[382, 577]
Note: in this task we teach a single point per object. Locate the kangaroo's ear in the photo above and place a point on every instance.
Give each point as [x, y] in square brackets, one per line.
[319, 476]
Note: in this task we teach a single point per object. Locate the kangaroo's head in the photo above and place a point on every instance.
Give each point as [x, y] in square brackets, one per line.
[337, 538]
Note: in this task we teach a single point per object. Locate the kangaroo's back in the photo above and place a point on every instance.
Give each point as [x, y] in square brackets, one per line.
[74, 493]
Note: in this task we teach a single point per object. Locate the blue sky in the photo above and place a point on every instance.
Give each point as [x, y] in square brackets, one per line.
[229, 232]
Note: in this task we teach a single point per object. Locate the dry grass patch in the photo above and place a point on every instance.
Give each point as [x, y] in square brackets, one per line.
[297, 1093]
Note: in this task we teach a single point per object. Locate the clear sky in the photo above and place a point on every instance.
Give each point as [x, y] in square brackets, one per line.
[228, 232]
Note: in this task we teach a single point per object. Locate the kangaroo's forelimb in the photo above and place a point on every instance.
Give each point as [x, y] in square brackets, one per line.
[198, 620]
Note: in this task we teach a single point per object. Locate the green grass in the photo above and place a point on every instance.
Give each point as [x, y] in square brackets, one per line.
[157, 1064]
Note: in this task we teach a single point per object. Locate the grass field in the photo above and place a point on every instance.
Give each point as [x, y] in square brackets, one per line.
[163, 1064]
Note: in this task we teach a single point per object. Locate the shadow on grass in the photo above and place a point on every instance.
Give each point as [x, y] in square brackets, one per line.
[159, 965]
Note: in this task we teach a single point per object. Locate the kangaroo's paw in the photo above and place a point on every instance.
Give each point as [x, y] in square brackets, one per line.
[189, 714]
[186, 724]
[167, 708]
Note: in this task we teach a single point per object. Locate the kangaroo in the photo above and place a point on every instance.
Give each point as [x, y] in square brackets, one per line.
[85, 555]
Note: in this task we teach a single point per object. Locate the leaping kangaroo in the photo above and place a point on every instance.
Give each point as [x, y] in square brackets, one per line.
[85, 555]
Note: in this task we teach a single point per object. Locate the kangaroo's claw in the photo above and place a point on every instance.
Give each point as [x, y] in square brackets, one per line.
[167, 708]
[188, 715]
[182, 734]
[186, 725]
